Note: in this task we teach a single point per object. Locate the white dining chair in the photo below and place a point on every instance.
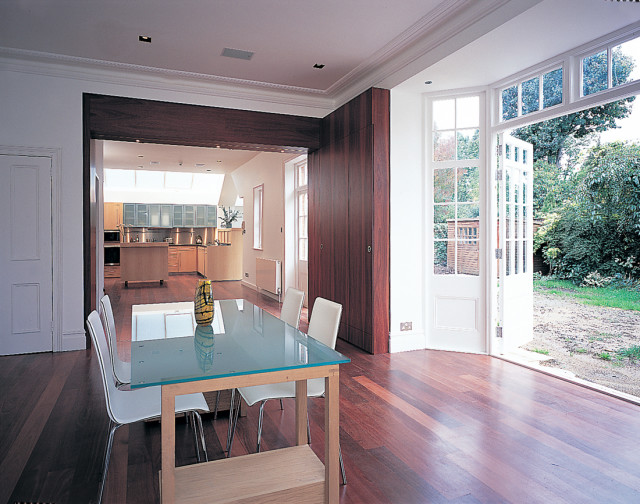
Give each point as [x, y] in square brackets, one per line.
[121, 369]
[129, 406]
[290, 313]
[323, 326]
[292, 306]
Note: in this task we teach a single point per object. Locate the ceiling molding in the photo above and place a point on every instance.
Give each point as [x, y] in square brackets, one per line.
[55, 65]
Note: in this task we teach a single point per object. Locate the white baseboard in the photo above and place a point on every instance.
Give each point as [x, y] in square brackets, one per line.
[261, 291]
[73, 341]
[403, 342]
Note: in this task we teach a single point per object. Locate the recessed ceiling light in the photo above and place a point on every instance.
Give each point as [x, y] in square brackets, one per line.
[144, 38]
[428, 82]
[199, 165]
[154, 162]
[219, 161]
[140, 166]
[319, 66]
[140, 155]
[208, 169]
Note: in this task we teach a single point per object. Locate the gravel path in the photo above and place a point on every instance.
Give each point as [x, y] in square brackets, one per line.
[579, 338]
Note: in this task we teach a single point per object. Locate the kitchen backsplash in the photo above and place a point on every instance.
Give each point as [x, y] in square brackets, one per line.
[177, 236]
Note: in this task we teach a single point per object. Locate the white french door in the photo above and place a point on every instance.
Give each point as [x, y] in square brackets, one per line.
[515, 241]
[26, 274]
[302, 224]
[456, 269]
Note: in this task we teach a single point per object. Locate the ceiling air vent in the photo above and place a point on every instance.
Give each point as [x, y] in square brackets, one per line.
[237, 53]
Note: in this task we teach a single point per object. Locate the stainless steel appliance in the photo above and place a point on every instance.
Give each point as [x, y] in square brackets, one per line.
[111, 254]
[111, 236]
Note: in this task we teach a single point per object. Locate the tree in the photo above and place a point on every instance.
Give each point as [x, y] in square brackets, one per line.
[549, 137]
[598, 229]
[552, 186]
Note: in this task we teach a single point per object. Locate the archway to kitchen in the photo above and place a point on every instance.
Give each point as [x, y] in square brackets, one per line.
[132, 120]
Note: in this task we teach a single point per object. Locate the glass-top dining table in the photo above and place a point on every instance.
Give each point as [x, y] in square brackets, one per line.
[243, 346]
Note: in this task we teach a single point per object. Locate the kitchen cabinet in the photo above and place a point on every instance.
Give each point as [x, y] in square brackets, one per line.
[112, 215]
[201, 215]
[182, 259]
[178, 212]
[166, 215]
[143, 262]
[201, 254]
[154, 215]
[129, 214]
[212, 216]
[142, 215]
[189, 216]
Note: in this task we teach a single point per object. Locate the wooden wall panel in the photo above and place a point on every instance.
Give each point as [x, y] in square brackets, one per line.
[355, 151]
[131, 119]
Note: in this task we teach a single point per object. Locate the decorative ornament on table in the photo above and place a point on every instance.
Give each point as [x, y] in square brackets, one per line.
[203, 303]
[204, 341]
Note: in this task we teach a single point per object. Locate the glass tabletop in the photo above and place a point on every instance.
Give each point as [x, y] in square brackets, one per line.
[242, 339]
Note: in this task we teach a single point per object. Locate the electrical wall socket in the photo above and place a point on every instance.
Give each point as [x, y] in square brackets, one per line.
[406, 326]
[246, 275]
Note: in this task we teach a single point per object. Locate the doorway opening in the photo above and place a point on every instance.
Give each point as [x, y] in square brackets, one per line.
[582, 320]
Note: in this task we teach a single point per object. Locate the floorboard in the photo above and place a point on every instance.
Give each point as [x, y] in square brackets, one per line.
[415, 427]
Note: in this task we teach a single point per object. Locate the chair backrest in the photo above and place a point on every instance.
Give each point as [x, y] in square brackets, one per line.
[110, 325]
[325, 321]
[96, 330]
[292, 306]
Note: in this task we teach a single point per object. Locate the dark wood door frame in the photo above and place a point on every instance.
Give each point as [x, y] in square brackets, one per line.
[136, 120]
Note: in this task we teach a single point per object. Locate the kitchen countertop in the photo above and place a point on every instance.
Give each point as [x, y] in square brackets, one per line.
[143, 244]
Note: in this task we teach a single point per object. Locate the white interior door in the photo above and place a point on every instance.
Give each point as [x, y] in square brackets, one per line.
[455, 276]
[26, 274]
[515, 240]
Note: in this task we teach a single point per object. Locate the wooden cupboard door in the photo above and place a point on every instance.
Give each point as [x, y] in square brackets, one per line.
[360, 316]
[174, 266]
[338, 267]
[112, 215]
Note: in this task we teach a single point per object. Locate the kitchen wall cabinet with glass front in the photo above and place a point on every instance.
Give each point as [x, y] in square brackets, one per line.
[168, 216]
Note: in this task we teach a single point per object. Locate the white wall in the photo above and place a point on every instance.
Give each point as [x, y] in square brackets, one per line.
[407, 235]
[41, 106]
[266, 168]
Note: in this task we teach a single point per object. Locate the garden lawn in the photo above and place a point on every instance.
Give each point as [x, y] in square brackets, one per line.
[625, 299]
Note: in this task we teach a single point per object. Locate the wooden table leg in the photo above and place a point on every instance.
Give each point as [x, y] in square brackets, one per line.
[331, 437]
[168, 446]
[301, 412]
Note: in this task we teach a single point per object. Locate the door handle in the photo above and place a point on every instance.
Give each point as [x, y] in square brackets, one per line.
[369, 249]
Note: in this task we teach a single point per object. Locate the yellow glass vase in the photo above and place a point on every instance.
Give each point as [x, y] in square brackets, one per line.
[203, 303]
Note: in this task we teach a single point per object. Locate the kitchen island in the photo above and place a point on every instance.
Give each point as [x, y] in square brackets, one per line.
[144, 262]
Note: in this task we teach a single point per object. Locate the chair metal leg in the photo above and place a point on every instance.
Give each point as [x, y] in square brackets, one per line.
[233, 421]
[191, 419]
[260, 424]
[308, 430]
[202, 441]
[344, 475]
[281, 406]
[107, 456]
[215, 410]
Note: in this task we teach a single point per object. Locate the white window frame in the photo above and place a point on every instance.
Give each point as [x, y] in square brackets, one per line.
[258, 204]
[572, 99]
[299, 190]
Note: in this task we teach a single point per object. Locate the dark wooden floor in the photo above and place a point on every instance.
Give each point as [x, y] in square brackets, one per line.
[415, 427]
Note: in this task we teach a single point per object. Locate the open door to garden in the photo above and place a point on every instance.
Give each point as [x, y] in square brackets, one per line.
[515, 241]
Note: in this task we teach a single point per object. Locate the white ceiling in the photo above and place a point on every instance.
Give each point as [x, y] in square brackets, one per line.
[362, 43]
[356, 40]
[145, 156]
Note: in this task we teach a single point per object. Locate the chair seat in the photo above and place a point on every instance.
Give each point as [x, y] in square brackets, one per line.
[145, 404]
[258, 393]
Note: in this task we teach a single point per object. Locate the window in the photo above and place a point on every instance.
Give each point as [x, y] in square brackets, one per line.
[531, 95]
[456, 185]
[610, 67]
[258, 196]
[302, 208]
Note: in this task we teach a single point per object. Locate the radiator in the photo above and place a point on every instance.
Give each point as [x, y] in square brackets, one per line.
[269, 275]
